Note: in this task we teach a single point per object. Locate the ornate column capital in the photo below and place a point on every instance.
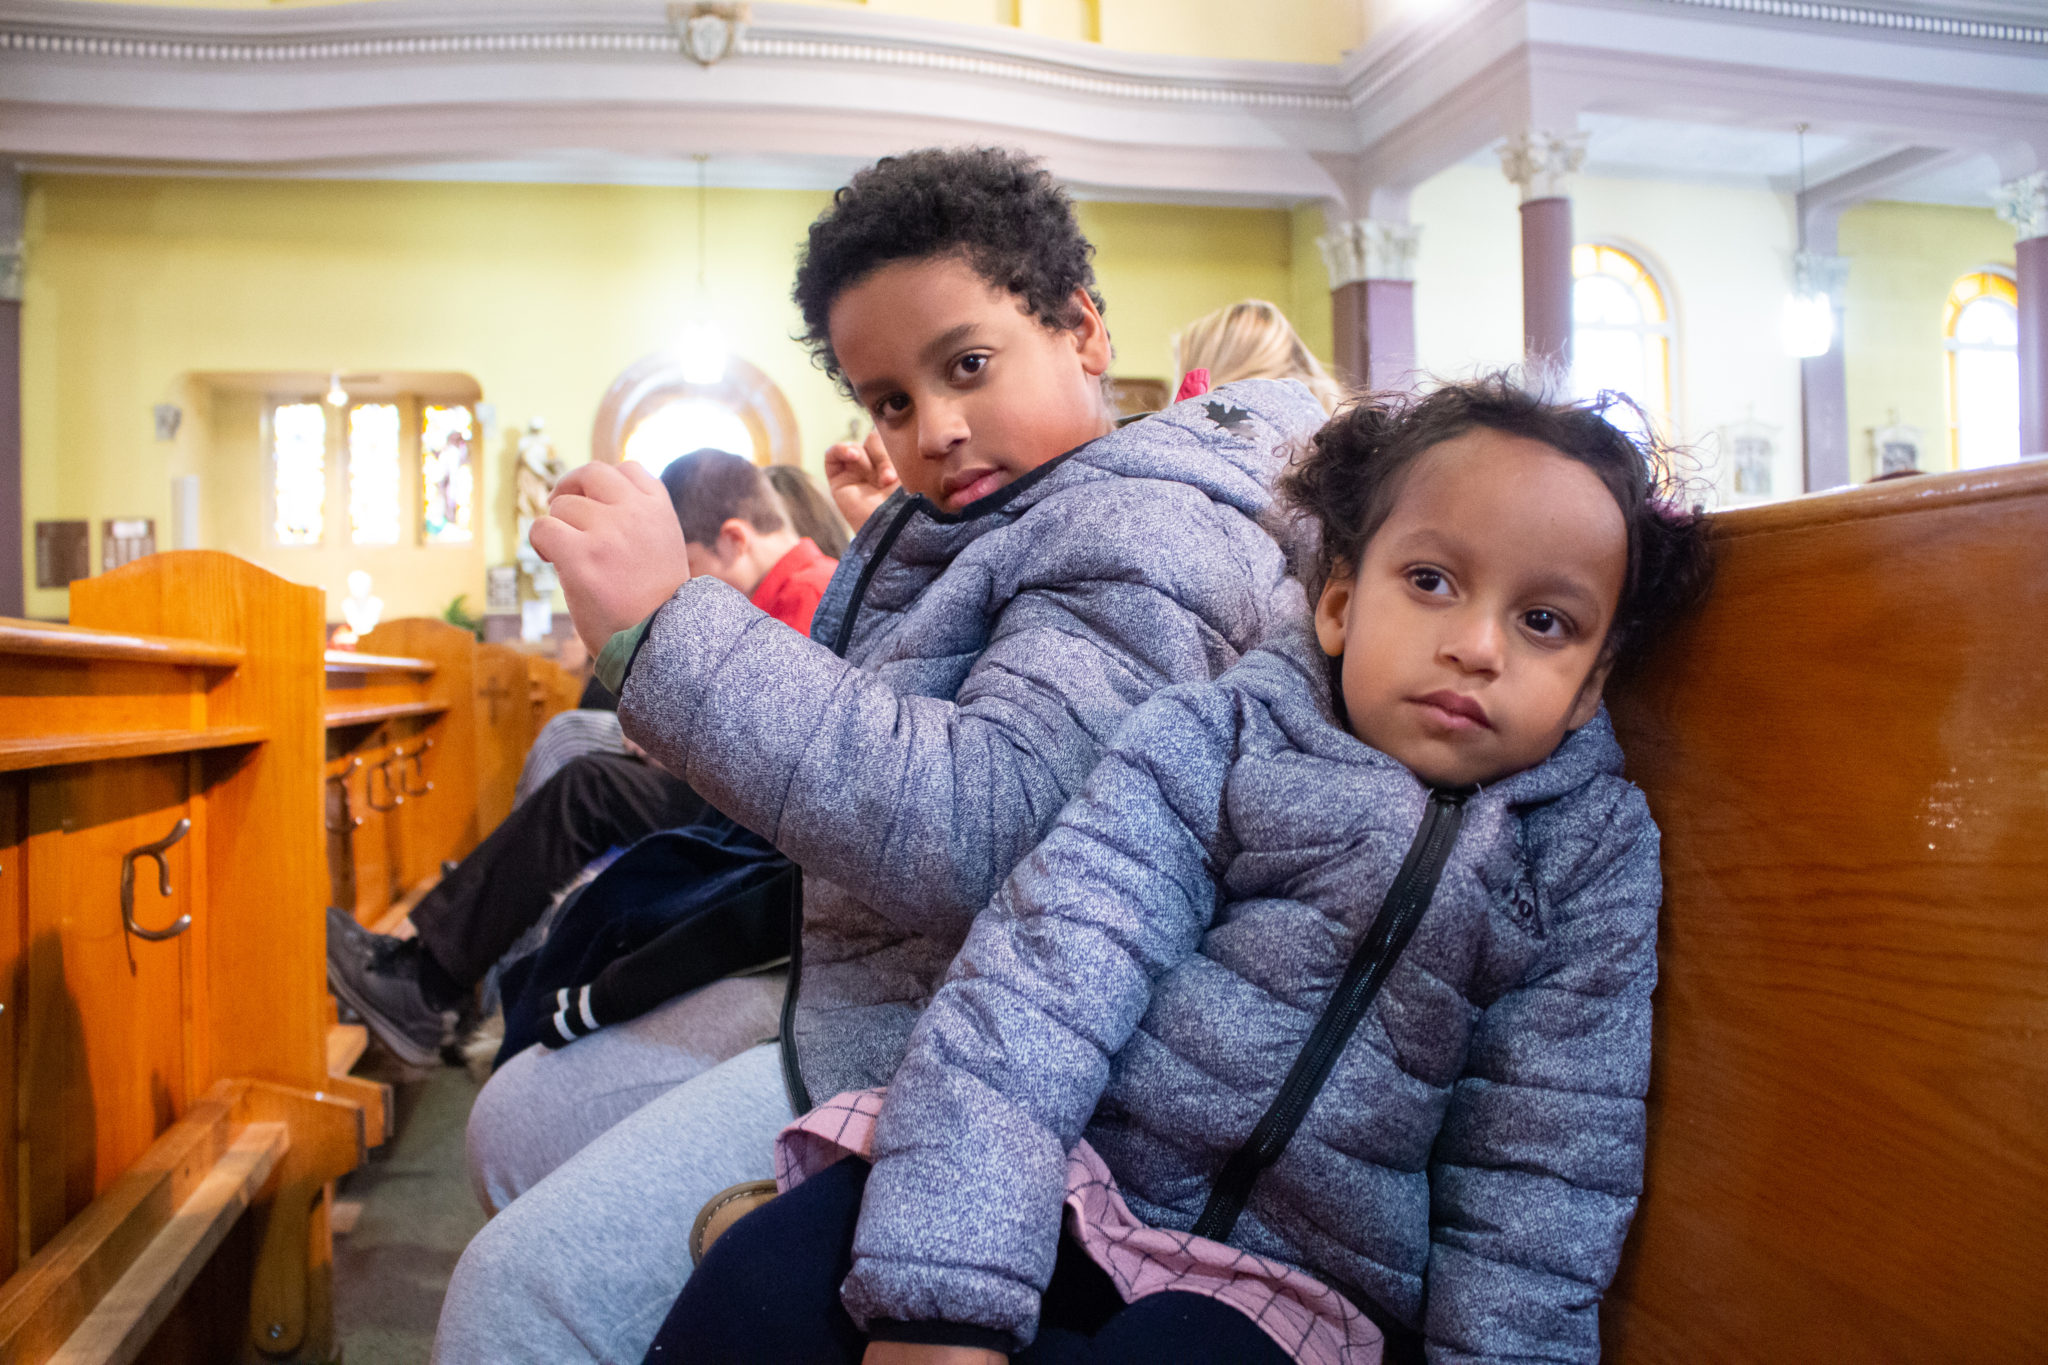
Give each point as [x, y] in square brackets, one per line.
[1539, 162]
[1369, 249]
[1815, 272]
[2024, 204]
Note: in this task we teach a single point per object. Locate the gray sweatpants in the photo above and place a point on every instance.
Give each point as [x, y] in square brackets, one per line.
[584, 1265]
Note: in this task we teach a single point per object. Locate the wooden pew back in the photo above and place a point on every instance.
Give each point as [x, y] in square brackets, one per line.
[1847, 752]
[192, 711]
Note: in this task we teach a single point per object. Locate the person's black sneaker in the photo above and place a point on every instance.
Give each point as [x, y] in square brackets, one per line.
[379, 978]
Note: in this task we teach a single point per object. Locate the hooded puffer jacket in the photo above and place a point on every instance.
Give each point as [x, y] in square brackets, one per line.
[1472, 1163]
[963, 674]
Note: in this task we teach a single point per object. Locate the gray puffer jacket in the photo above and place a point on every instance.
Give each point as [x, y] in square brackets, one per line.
[1472, 1163]
[963, 675]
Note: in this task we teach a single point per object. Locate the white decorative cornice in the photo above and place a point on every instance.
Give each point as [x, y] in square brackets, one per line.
[1369, 249]
[1892, 20]
[2024, 204]
[1541, 162]
[449, 30]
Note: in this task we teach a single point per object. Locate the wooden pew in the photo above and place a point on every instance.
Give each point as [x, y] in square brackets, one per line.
[160, 769]
[1847, 752]
[504, 730]
[554, 689]
[402, 764]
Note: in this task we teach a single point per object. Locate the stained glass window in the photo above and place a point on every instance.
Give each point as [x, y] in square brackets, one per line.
[373, 473]
[447, 477]
[685, 425]
[1983, 339]
[1621, 331]
[298, 456]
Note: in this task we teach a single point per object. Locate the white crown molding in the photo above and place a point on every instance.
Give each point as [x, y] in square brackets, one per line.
[1983, 29]
[536, 86]
[381, 31]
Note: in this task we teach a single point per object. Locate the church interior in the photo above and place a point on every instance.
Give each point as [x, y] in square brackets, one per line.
[306, 306]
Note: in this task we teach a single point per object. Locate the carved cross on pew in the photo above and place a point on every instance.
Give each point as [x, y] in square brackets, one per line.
[494, 694]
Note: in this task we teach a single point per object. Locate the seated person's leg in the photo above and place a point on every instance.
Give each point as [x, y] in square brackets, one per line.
[546, 1104]
[768, 1290]
[584, 1266]
[404, 988]
[564, 738]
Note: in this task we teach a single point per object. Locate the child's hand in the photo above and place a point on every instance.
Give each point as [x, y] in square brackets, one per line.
[906, 1353]
[611, 532]
[860, 477]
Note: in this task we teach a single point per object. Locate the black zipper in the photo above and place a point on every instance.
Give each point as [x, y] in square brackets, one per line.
[792, 1071]
[1402, 910]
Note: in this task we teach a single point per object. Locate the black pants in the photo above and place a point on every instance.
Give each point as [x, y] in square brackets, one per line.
[501, 890]
[768, 1292]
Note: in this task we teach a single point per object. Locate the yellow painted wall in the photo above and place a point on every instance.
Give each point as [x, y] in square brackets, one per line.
[1283, 31]
[1723, 255]
[542, 294]
[1903, 259]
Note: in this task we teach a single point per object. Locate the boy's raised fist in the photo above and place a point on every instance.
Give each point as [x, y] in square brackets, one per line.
[860, 477]
[611, 532]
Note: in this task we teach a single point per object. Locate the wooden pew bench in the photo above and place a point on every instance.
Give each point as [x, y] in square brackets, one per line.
[1847, 752]
[162, 1041]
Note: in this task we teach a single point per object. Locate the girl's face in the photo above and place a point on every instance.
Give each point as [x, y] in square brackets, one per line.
[1472, 633]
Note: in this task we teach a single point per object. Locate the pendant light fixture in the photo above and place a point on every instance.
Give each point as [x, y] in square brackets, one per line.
[701, 348]
[1809, 326]
[337, 396]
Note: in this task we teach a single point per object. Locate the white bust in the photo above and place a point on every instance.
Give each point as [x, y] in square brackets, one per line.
[361, 608]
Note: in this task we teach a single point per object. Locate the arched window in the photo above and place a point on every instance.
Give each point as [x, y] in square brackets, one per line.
[1621, 330]
[1982, 333]
[651, 414]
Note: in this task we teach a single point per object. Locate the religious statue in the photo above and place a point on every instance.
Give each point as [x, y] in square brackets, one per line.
[361, 609]
[536, 475]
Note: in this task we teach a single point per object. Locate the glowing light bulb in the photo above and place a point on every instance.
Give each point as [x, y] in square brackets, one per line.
[337, 396]
[701, 350]
[1809, 327]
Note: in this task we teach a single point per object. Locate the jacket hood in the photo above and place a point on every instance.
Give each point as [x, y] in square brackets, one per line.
[1291, 676]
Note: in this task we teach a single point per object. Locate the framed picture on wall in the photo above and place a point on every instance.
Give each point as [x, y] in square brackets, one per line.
[1894, 449]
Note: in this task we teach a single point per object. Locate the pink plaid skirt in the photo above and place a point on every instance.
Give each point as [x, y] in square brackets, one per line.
[1313, 1323]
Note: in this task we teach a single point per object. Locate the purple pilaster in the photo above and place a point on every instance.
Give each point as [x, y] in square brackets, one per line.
[1824, 405]
[1547, 282]
[2032, 260]
[13, 584]
[1374, 332]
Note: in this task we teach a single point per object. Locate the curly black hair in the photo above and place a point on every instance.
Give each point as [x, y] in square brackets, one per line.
[1346, 484]
[1000, 210]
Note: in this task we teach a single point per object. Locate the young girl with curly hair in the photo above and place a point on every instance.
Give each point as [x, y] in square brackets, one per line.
[1318, 1028]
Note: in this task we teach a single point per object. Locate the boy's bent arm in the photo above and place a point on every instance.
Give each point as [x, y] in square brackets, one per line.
[961, 1218]
[920, 806]
[1539, 1165]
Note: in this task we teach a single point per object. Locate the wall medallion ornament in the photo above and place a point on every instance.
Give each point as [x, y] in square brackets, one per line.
[709, 32]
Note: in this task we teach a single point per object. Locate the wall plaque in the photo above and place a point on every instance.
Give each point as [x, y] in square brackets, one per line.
[63, 552]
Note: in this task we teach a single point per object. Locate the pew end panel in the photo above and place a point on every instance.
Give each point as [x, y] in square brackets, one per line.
[174, 1118]
[505, 731]
[439, 820]
[1847, 752]
[266, 949]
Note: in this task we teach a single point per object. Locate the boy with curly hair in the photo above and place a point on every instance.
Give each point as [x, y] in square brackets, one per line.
[1037, 575]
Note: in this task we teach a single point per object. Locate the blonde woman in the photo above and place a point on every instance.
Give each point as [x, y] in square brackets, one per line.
[1252, 340]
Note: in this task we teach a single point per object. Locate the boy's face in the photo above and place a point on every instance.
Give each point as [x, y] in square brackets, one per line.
[1472, 633]
[967, 388]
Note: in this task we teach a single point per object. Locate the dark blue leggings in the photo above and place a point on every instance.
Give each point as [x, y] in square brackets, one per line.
[768, 1292]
